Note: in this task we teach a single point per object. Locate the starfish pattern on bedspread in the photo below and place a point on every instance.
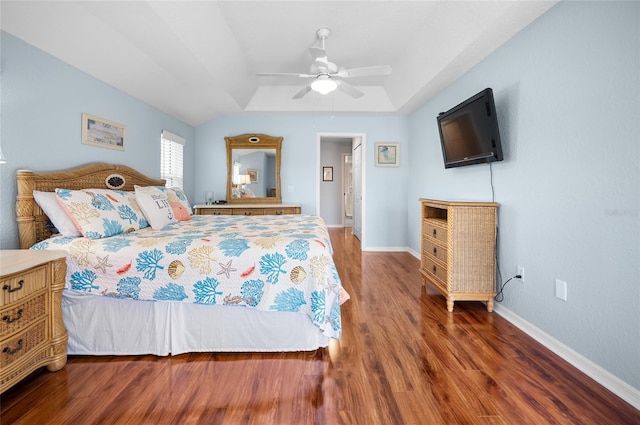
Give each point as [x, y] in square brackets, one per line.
[286, 264]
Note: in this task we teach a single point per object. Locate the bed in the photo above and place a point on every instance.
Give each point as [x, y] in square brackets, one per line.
[205, 284]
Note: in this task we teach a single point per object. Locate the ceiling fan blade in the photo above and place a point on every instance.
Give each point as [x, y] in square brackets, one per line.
[368, 71]
[349, 89]
[302, 92]
[284, 74]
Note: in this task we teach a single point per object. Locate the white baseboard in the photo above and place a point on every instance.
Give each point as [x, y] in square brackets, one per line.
[605, 378]
[385, 249]
[614, 384]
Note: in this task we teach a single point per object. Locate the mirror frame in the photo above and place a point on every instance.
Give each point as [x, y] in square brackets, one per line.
[253, 141]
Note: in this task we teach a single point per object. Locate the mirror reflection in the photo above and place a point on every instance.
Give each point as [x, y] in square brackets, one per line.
[254, 173]
[253, 169]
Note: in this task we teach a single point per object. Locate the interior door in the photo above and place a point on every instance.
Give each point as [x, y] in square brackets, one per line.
[347, 186]
[357, 191]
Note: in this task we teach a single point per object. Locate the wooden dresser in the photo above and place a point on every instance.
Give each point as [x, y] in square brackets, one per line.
[459, 249]
[32, 332]
[247, 209]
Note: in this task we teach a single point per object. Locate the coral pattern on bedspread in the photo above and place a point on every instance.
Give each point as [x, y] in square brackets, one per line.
[279, 263]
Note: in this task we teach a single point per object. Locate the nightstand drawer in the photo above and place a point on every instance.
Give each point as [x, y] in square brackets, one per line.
[436, 229]
[21, 285]
[20, 316]
[15, 348]
[433, 248]
[435, 269]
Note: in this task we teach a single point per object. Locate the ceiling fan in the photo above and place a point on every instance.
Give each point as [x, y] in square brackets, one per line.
[326, 75]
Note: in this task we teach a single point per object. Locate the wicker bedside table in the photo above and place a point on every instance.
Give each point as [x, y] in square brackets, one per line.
[459, 249]
[32, 333]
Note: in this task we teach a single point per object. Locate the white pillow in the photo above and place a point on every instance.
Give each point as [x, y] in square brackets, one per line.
[155, 206]
[48, 201]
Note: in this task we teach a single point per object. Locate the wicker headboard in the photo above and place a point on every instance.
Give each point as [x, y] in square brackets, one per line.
[32, 221]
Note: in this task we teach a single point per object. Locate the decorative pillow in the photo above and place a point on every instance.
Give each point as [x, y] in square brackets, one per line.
[58, 216]
[155, 206]
[100, 213]
[180, 212]
[176, 194]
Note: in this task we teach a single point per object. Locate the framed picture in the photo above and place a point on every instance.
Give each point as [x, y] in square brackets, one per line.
[387, 154]
[102, 133]
[327, 174]
[253, 175]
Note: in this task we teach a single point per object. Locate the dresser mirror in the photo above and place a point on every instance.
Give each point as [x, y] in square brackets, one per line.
[253, 169]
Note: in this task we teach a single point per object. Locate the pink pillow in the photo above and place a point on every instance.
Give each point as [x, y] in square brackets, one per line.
[180, 212]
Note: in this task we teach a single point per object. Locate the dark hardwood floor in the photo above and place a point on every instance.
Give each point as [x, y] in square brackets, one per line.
[403, 359]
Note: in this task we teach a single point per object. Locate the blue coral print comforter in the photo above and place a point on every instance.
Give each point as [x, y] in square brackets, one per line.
[280, 263]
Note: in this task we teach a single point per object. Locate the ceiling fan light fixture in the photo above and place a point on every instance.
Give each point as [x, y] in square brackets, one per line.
[323, 84]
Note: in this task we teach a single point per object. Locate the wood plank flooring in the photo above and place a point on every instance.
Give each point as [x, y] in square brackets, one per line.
[403, 359]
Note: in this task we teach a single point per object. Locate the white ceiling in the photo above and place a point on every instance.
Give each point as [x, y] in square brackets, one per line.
[197, 60]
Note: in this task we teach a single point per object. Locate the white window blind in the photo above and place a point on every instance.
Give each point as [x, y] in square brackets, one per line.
[171, 159]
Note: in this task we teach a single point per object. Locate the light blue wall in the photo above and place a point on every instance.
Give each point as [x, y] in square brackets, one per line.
[386, 201]
[42, 102]
[567, 90]
[567, 94]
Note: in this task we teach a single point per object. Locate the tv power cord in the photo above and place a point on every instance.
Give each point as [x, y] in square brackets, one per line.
[500, 296]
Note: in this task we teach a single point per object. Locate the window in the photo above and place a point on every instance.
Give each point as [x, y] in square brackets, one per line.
[171, 159]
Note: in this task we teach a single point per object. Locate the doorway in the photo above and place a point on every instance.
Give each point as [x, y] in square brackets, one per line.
[343, 152]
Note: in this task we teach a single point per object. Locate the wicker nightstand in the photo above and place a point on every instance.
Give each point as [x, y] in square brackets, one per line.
[32, 333]
[459, 249]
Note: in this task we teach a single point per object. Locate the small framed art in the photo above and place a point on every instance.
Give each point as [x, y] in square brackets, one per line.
[102, 133]
[387, 154]
[327, 174]
[253, 175]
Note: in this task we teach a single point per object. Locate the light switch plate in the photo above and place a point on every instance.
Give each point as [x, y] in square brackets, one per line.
[561, 289]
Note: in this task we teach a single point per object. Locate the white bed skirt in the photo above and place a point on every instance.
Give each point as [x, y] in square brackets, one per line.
[99, 325]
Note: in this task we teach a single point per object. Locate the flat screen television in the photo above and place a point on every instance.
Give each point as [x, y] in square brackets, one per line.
[469, 132]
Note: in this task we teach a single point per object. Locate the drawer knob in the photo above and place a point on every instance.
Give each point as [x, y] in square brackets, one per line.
[10, 351]
[278, 212]
[10, 319]
[8, 288]
[435, 251]
[434, 232]
[247, 213]
[434, 269]
[216, 213]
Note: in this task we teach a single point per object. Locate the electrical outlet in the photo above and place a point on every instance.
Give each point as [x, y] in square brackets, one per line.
[521, 273]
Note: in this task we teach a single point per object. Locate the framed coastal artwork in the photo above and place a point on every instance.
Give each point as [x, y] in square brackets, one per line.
[387, 154]
[103, 133]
